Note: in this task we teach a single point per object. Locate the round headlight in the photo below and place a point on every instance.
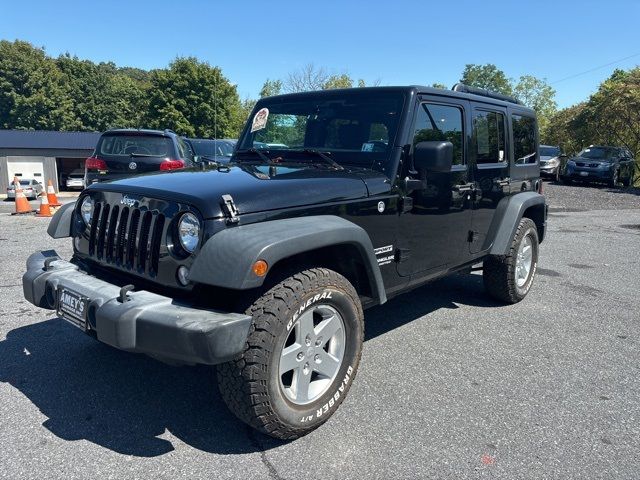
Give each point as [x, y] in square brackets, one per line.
[86, 209]
[189, 232]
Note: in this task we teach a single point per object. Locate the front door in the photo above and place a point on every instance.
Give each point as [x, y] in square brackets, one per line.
[490, 169]
[436, 228]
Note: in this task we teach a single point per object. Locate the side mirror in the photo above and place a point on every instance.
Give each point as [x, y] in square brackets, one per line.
[433, 156]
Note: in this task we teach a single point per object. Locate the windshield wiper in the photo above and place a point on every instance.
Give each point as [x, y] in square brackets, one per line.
[255, 151]
[324, 156]
[142, 155]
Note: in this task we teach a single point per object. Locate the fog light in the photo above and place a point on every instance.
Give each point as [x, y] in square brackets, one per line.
[183, 275]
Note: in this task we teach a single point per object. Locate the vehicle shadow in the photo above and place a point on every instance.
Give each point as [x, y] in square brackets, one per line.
[137, 406]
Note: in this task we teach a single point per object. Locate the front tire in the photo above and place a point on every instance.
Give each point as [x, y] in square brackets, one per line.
[301, 355]
[508, 278]
[613, 183]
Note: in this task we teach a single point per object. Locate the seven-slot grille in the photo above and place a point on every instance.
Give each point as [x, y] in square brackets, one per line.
[126, 237]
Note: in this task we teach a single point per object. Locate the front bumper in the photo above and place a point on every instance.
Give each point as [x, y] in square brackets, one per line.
[146, 322]
[593, 174]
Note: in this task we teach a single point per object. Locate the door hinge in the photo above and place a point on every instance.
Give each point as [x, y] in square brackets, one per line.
[402, 255]
[230, 209]
[472, 236]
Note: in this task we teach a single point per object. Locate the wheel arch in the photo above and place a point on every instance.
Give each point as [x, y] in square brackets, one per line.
[508, 215]
[328, 241]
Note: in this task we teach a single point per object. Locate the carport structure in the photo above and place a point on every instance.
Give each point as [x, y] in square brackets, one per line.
[43, 155]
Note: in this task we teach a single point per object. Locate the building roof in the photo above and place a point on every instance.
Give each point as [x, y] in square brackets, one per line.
[44, 139]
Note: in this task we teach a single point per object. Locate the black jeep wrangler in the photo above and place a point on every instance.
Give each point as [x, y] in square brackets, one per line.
[333, 202]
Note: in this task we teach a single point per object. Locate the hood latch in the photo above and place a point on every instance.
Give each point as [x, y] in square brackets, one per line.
[230, 209]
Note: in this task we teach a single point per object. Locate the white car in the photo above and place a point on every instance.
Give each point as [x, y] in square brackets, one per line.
[31, 188]
[75, 179]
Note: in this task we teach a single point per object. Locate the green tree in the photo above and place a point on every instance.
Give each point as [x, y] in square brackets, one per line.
[442, 86]
[338, 81]
[194, 99]
[32, 90]
[102, 97]
[539, 95]
[271, 88]
[488, 77]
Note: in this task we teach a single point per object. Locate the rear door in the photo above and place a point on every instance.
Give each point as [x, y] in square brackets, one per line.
[489, 150]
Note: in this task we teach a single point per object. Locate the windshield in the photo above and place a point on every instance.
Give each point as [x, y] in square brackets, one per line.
[211, 148]
[151, 145]
[356, 127]
[549, 151]
[603, 153]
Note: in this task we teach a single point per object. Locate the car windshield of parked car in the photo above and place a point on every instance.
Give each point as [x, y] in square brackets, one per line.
[601, 153]
[77, 174]
[139, 145]
[356, 127]
[211, 148]
[549, 151]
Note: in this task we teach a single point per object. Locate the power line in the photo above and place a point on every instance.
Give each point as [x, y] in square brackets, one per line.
[595, 68]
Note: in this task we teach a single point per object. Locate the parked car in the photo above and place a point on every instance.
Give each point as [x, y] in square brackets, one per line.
[31, 188]
[597, 163]
[75, 180]
[551, 158]
[128, 152]
[204, 149]
[264, 267]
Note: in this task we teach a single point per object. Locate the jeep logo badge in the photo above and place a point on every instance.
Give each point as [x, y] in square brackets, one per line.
[129, 202]
[133, 166]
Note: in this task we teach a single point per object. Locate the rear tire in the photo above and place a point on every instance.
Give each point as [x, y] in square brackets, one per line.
[291, 378]
[509, 277]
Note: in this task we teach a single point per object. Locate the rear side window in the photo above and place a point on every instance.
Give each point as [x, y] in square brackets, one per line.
[524, 140]
[440, 123]
[489, 133]
[140, 145]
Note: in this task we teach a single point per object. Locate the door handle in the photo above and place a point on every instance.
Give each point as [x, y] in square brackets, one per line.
[466, 187]
[505, 182]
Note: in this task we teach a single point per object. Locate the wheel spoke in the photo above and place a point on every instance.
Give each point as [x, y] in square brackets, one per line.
[301, 387]
[305, 326]
[288, 360]
[327, 328]
[328, 365]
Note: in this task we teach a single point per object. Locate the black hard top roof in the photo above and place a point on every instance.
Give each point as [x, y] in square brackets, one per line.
[411, 89]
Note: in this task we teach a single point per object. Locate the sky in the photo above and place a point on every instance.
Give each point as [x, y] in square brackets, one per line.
[395, 42]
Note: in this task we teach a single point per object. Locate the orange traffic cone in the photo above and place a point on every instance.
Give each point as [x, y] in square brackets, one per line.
[44, 211]
[51, 196]
[22, 205]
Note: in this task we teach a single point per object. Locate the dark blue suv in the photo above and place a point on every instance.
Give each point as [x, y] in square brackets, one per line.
[611, 165]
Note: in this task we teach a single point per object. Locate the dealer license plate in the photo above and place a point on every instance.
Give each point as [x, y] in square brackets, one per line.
[73, 307]
[584, 174]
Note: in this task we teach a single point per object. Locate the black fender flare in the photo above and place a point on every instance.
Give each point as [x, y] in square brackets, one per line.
[62, 221]
[226, 259]
[508, 214]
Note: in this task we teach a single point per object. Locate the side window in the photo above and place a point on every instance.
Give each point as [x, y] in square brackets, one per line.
[441, 123]
[489, 137]
[184, 150]
[524, 140]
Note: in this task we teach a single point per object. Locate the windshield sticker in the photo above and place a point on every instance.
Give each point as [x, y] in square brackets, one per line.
[368, 147]
[260, 119]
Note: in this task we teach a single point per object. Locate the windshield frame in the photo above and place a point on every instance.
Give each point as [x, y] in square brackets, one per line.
[611, 152]
[545, 149]
[383, 161]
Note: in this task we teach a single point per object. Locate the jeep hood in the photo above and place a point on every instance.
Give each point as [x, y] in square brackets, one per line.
[254, 188]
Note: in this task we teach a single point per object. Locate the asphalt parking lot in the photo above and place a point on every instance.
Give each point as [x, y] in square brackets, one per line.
[451, 384]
